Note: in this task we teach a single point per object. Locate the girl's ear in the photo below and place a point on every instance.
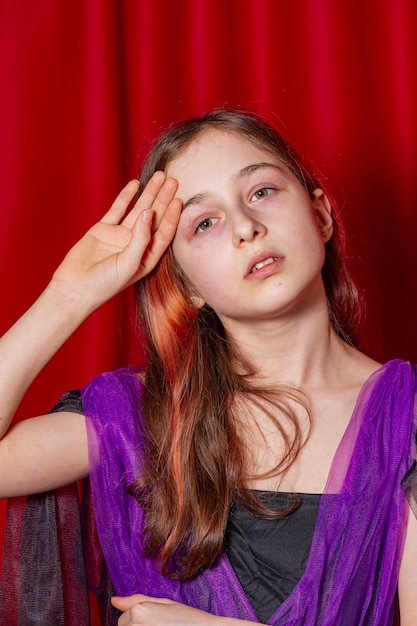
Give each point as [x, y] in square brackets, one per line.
[323, 212]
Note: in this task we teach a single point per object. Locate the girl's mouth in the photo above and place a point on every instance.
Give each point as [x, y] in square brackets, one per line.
[267, 261]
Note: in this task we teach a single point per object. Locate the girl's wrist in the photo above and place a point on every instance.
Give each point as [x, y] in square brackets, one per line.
[63, 299]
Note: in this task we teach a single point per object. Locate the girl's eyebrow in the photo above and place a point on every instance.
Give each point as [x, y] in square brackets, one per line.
[198, 198]
[249, 169]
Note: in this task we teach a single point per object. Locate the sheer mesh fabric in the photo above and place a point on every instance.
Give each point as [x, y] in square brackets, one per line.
[53, 570]
[352, 569]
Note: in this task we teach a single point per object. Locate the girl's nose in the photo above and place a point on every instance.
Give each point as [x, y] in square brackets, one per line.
[246, 226]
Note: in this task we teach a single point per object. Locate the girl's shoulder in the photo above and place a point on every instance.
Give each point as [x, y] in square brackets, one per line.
[123, 383]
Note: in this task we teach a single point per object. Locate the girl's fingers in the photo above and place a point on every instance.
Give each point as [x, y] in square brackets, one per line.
[164, 199]
[147, 245]
[157, 195]
[121, 203]
[163, 235]
[123, 603]
[129, 244]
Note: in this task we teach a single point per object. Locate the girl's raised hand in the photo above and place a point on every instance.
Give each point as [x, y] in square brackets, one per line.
[124, 245]
[121, 248]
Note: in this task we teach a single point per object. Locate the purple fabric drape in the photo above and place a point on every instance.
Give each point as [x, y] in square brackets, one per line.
[352, 572]
[52, 555]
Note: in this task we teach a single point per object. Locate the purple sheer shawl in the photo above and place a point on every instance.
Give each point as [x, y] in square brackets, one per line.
[353, 566]
[352, 571]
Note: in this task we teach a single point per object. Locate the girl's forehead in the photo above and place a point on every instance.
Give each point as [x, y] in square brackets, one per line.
[213, 147]
[218, 138]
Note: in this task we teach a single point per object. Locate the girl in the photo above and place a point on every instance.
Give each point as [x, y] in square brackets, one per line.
[255, 469]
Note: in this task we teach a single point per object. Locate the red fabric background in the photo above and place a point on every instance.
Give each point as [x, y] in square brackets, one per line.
[86, 84]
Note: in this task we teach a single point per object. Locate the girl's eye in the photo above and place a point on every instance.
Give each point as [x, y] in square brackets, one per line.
[259, 194]
[205, 224]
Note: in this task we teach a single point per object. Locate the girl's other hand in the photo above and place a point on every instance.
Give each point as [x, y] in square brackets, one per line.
[146, 611]
[123, 246]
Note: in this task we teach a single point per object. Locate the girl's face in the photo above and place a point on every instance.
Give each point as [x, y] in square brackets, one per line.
[250, 238]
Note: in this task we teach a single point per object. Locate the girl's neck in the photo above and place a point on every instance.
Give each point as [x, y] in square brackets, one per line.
[302, 353]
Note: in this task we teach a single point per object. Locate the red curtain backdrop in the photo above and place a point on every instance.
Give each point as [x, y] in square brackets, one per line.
[85, 86]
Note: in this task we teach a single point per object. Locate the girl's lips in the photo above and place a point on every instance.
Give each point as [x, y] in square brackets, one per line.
[263, 265]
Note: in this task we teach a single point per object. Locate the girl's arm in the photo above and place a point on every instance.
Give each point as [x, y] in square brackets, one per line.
[120, 249]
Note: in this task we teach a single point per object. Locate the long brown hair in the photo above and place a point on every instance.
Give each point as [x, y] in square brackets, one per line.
[196, 458]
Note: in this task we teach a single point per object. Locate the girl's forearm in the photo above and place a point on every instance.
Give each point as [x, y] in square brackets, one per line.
[33, 340]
